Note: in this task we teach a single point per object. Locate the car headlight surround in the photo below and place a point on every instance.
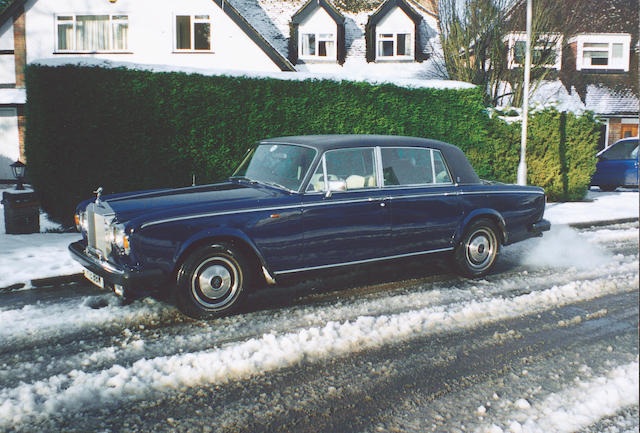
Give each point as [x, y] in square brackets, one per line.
[119, 238]
[81, 221]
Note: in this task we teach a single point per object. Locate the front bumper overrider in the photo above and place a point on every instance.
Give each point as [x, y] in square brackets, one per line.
[123, 281]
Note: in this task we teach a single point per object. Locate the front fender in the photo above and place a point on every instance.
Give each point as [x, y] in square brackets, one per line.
[220, 234]
[488, 213]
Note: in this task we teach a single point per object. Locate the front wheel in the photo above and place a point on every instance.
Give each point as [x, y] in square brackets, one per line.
[212, 282]
[478, 250]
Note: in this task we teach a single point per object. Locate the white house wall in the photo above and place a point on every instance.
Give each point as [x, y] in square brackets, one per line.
[7, 61]
[318, 22]
[9, 149]
[396, 21]
[151, 33]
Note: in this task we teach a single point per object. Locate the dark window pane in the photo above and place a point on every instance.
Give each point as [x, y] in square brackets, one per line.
[202, 36]
[322, 48]
[183, 32]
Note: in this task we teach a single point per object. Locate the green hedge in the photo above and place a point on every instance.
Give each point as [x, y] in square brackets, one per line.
[561, 149]
[130, 130]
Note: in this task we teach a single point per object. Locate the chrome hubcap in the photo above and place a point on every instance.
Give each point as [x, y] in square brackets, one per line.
[481, 249]
[215, 282]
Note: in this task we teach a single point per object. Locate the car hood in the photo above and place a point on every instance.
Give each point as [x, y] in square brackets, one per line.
[158, 204]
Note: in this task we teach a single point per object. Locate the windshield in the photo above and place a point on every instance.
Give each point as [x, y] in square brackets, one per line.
[281, 165]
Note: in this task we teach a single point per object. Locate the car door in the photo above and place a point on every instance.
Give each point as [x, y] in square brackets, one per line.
[345, 215]
[424, 202]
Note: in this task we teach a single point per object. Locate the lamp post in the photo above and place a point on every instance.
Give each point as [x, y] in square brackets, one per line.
[18, 169]
[522, 167]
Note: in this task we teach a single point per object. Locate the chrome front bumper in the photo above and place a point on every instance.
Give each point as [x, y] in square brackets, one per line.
[125, 282]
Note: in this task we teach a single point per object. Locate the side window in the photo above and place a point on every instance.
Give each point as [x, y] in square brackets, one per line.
[440, 168]
[351, 168]
[406, 166]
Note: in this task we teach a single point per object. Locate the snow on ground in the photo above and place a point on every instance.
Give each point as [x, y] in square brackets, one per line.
[598, 206]
[577, 406]
[147, 378]
[39, 255]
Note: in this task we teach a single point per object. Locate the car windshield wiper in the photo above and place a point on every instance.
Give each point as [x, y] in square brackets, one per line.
[246, 179]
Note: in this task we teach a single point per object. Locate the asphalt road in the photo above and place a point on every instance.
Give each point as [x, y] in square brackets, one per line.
[464, 376]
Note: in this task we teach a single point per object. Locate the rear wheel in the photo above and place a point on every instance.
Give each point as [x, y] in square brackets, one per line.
[212, 281]
[478, 250]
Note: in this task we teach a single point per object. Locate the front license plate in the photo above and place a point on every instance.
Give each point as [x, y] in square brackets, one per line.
[94, 278]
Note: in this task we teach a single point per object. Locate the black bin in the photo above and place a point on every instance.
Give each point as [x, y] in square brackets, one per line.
[21, 212]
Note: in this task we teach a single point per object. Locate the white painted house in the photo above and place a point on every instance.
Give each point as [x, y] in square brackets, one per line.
[392, 38]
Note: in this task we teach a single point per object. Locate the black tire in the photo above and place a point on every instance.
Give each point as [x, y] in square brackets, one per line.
[608, 188]
[212, 282]
[478, 250]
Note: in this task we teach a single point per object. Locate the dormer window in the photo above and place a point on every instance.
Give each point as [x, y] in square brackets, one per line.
[395, 45]
[392, 33]
[317, 34]
[318, 45]
[603, 52]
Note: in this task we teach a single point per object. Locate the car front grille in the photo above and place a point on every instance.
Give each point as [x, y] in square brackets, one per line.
[99, 217]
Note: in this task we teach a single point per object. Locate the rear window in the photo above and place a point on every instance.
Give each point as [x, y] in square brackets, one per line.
[621, 150]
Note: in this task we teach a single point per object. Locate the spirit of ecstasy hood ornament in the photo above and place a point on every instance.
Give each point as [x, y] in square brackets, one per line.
[98, 194]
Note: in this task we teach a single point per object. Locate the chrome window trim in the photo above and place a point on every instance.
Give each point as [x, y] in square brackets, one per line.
[433, 168]
[358, 262]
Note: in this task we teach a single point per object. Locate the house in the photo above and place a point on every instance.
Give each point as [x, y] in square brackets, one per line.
[597, 63]
[374, 38]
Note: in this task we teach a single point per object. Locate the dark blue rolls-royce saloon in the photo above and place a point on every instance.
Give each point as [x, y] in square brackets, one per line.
[303, 203]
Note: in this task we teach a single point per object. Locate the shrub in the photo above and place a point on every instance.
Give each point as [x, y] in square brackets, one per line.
[132, 130]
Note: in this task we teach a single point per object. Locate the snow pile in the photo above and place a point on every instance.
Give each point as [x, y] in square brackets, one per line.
[578, 407]
[147, 378]
[371, 76]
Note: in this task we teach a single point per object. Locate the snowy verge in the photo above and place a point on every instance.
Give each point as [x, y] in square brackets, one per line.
[149, 378]
[576, 407]
[597, 206]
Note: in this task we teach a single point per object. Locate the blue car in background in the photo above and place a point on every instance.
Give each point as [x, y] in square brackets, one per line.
[307, 203]
[617, 165]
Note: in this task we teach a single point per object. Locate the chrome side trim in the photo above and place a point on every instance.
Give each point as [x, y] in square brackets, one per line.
[325, 203]
[501, 192]
[358, 262]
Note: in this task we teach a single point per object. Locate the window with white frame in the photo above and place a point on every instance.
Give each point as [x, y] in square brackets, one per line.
[603, 51]
[193, 33]
[318, 45]
[547, 51]
[92, 33]
[394, 45]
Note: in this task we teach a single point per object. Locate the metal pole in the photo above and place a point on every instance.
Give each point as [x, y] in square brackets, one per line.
[522, 167]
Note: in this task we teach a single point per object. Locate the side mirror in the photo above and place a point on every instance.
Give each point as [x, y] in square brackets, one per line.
[336, 185]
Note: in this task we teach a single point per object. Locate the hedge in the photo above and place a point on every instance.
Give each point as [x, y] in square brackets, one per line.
[132, 130]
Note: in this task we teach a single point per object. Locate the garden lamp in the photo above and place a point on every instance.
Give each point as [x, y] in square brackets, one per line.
[18, 169]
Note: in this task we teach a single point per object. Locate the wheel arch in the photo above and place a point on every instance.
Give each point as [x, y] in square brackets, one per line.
[232, 237]
[490, 214]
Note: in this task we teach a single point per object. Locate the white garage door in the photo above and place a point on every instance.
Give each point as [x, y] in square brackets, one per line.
[9, 141]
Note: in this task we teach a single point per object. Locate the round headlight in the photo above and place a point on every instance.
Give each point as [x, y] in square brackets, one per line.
[81, 221]
[119, 238]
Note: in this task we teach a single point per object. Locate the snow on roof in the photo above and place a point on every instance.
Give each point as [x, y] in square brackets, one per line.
[603, 100]
[272, 18]
[381, 77]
